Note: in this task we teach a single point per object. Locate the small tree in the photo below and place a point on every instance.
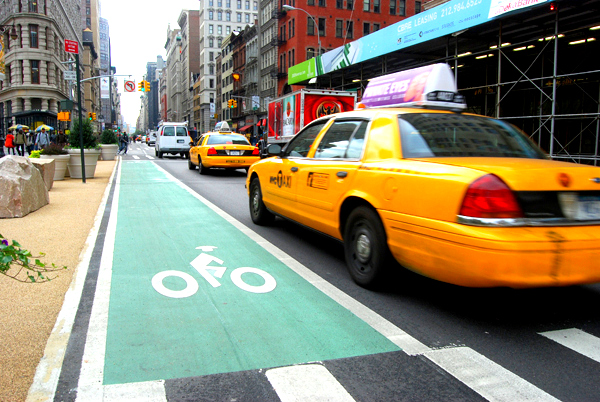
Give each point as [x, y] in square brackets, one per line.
[89, 140]
[108, 137]
[16, 263]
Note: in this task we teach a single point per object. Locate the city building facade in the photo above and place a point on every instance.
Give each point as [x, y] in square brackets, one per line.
[35, 60]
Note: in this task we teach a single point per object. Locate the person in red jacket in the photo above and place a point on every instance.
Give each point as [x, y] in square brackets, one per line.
[9, 143]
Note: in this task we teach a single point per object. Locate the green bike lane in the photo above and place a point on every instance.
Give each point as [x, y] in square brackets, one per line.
[237, 307]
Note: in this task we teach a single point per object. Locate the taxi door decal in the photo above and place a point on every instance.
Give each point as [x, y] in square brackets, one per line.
[318, 180]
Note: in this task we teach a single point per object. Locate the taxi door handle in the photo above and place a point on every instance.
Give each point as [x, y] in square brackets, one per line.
[294, 169]
[341, 175]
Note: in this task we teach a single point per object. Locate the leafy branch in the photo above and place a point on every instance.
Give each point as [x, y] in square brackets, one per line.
[15, 260]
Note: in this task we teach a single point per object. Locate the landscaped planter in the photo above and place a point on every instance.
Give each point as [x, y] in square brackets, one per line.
[91, 160]
[60, 165]
[109, 151]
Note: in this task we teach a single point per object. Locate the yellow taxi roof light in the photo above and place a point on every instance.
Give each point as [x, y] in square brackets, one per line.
[222, 127]
[430, 86]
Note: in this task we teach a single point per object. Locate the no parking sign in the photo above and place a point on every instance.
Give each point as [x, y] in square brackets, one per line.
[129, 86]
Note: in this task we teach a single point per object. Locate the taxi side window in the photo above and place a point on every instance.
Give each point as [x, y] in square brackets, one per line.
[344, 139]
[301, 143]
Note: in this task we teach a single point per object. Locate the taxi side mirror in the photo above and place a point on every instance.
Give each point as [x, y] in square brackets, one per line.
[273, 150]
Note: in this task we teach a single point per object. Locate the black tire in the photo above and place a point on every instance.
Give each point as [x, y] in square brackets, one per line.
[365, 247]
[201, 169]
[160, 155]
[155, 152]
[191, 166]
[258, 211]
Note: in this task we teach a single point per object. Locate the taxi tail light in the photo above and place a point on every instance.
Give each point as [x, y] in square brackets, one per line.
[255, 152]
[489, 197]
[211, 151]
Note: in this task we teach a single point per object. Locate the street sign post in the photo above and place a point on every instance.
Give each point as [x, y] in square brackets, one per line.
[70, 75]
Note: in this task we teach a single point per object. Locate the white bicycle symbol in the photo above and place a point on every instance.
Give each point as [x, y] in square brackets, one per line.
[200, 264]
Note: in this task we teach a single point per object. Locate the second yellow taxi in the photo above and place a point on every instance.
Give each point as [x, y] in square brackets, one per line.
[457, 197]
[222, 149]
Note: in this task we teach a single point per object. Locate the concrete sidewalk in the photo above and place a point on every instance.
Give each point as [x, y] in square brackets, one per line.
[29, 311]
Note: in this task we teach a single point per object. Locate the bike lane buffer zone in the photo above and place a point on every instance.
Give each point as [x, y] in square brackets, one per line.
[192, 295]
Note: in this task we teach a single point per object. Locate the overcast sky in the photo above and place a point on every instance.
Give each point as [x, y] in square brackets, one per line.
[138, 33]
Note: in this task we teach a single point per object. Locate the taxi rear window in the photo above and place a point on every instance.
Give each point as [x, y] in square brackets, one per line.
[227, 139]
[427, 135]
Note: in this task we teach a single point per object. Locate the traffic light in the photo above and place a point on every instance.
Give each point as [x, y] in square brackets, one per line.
[94, 116]
[141, 86]
[147, 86]
[90, 116]
[233, 104]
[236, 76]
[230, 103]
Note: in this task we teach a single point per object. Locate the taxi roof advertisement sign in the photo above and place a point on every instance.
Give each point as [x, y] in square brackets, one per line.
[445, 19]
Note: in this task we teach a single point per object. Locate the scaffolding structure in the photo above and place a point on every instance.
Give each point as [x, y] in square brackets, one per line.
[536, 69]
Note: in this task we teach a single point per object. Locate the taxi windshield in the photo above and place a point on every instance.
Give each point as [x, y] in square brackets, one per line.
[426, 135]
[227, 139]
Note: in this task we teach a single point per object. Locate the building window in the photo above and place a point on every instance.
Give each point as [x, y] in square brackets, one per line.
[311, 2]
[401, 7]
[293, 58]
[228, 3]
[350, 4]
[35, 71]
[211, 3]
[239, 17]
[227, 30]
[310, 26]
[367, 5]
[247, 4]
[33, 8]
[417, 7]
[88, 22]
[392, 7]
[366, 28]
[211, 15]
[239, 4]
[219, 15]
[211, 69]
[247, 18]
[219, 42]
[211, 83]
[322, 22]
[227, 17]
[255, 6]
[339, 26]
[375, 27]
[349, 29]
[33, 36]
[211, 42]
[211, 29]
[339, 4]
[376, 6]
[322, 3]
[219, 30]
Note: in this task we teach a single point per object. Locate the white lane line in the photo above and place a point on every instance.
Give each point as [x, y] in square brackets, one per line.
[48, 370]
[150, 157]
[577, 340]
[89, 387]
[311, 382]
[135, 157]
[488, 379]
[149, 391]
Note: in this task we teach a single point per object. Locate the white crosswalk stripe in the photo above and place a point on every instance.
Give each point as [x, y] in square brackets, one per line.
[577, 340]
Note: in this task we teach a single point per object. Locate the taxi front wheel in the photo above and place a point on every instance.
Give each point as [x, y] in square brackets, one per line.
[365, 247]
[258, 211]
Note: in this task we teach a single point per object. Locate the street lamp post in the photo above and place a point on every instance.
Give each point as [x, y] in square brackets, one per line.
[287, 7]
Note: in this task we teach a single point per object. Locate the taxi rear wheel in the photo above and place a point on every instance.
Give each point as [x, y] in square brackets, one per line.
[201, 169]
[258, 211]
[191, 166]
[365, 247]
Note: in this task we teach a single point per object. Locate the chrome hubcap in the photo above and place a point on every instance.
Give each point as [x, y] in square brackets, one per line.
[363, 248]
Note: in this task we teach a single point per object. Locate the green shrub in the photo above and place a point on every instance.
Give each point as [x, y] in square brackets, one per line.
[53, 149]
[35, 154]
[89, 140]
[108, 137]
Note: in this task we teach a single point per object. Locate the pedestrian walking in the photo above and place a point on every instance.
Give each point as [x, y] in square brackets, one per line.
[1, 145]
[29, 142]
[62, 139]
[19, 142]
[9, 144]
[53, 137]
[124, 143]
[42, 140]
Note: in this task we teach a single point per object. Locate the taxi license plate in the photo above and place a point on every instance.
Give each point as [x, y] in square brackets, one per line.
[234, 152]
[588, 208]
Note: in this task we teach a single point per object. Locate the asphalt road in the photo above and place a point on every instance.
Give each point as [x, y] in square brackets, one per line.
[536, 344]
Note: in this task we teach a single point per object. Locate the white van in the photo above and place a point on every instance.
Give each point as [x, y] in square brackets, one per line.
[172, 138]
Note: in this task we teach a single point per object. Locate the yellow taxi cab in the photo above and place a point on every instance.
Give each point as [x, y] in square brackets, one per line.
[222, 149]
[456, 197]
